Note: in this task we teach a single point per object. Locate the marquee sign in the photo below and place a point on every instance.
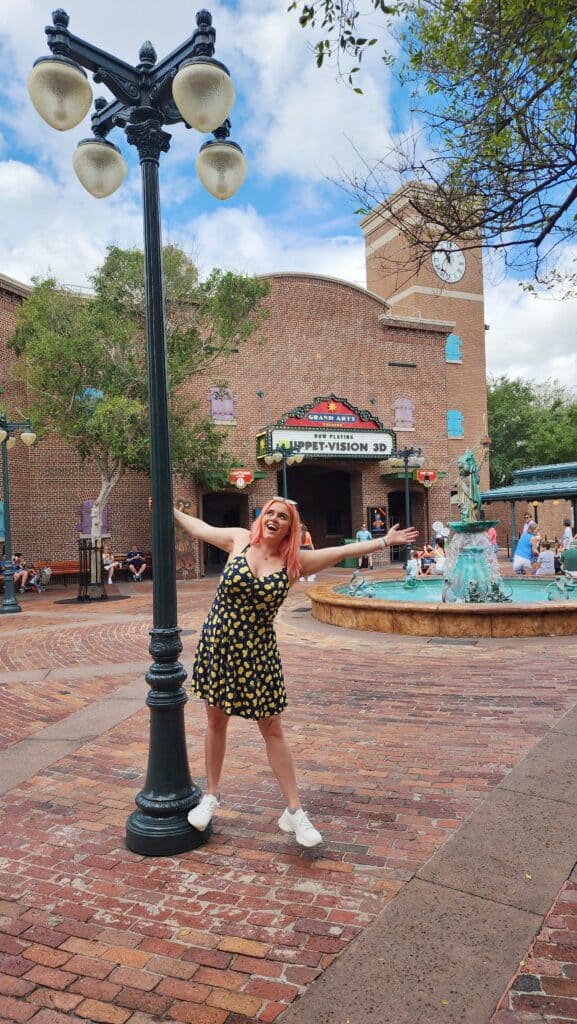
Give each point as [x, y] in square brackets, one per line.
[329, 428]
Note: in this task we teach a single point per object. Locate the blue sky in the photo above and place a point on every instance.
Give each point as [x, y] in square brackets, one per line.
[299, 128]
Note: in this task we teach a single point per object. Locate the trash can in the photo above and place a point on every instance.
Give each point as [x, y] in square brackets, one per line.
[349, 563]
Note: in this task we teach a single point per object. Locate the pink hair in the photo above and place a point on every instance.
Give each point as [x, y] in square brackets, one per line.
[289, 549]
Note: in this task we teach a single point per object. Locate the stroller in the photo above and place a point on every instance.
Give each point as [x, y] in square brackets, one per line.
[39, 579]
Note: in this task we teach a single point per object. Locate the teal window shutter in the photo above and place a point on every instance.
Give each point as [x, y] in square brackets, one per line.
[455, 423]
[453, 349]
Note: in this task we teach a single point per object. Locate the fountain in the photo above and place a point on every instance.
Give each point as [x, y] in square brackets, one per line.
[470, 600]
[471, 570]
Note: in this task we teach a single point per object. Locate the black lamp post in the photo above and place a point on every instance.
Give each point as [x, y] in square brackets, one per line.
[7, 440]
[413, 457]
[289, 456]
[189, 86]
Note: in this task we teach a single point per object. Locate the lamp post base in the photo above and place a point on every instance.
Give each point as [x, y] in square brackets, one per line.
[8, 607]
[162, 837]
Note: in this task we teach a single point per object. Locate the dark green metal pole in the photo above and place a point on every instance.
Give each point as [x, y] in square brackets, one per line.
[10, 602]
[284, 477]
[406, 457]
[159, 827]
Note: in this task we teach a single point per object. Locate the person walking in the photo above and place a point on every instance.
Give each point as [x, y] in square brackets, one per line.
[237, 668]
[364, 534]
[306, 545]
[567, 534]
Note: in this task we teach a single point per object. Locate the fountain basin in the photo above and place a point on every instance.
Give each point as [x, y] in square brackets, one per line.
[530, 614]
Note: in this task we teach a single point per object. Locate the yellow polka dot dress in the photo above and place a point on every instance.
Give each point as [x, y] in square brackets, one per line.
[237, 665]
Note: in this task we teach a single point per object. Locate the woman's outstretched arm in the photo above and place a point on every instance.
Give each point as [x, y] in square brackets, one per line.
[226, 538]
[324, 558]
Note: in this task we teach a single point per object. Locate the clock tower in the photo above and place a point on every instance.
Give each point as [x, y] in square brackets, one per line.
[444, 285]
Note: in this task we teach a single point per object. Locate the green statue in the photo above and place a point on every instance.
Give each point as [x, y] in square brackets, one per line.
[468, 486]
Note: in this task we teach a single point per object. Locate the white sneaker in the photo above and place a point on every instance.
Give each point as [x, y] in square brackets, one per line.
[311, 579]
[201, 815]
[298, 822]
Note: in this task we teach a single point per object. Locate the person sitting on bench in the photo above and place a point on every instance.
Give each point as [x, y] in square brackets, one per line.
[109, 564]
[135, 563]
[20, 572]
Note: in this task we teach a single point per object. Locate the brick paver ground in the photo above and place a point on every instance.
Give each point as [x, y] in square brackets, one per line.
[545, 986]
[397, 740]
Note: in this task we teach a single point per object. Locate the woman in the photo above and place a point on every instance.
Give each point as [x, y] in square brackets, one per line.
[306, 545]
[237, 668]
[427, 560]
[440, 557]
[567, 534]
[109, 564]
[527, 549]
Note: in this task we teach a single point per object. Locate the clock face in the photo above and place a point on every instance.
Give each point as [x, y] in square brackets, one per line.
[448, 262]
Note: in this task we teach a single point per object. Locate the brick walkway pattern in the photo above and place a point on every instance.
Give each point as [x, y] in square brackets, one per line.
[396, 739]
[545, 986]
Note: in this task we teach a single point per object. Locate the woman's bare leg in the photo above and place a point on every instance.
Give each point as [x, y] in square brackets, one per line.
[214, 747]
[280, 759]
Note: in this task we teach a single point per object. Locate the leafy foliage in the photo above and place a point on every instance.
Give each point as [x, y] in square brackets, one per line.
[84, 361]
[493, 86]
[530, 425]
[339, 19]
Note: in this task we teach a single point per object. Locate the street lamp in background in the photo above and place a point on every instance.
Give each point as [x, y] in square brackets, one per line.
[190, 87]
[289, 456]
[409, 458]
[8, 439]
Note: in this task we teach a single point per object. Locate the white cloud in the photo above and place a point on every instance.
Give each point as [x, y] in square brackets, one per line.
[240, 240]
[534, 337]
[304, 121]
[50, 229]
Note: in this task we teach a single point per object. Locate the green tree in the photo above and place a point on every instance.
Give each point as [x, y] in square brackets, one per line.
[530, 425]
[512, 415]
[493, 88]
[83, 360]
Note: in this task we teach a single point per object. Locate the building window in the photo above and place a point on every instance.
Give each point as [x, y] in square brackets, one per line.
[453, 349]
[403, 414]
[455, 426]
[222, 403]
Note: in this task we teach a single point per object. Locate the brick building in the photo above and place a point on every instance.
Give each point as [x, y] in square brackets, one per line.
[48, 482]
[351, 372]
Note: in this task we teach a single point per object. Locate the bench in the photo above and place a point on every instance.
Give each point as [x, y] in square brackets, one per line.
[67, 570]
